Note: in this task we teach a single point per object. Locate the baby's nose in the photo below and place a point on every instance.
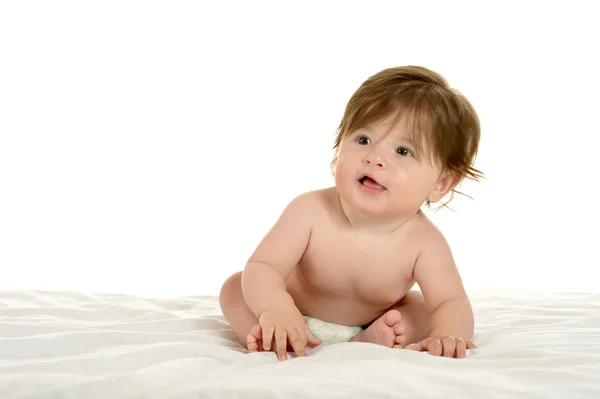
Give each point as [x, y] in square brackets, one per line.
[374, 160]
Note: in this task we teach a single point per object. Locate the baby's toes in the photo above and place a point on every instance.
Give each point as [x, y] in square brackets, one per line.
[392, 318]
[256, 332]
[399, 329]
[399, 341]
[254, 339]
[251, 343]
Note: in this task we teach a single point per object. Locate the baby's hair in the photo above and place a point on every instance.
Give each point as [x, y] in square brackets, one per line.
[443, 125]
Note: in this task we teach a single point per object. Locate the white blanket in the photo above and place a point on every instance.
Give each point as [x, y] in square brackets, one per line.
[73, 345]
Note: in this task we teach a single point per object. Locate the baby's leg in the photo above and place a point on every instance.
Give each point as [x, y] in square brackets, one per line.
[404, 323]
[415, 316]
[234, 307]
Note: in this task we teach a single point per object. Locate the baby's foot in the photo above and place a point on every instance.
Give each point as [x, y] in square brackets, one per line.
[388, 330]
[254, 339]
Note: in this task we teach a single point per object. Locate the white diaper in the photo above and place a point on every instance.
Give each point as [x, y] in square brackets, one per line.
[331, 333]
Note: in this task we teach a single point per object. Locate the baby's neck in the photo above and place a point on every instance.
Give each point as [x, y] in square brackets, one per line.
[357, 220]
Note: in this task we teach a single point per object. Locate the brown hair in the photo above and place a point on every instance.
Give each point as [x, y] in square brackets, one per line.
[437, 115]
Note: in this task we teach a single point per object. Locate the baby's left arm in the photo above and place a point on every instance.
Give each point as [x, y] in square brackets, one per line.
[451, 315]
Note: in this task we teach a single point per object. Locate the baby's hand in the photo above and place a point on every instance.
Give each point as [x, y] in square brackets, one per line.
[443, 346]
[286, 324]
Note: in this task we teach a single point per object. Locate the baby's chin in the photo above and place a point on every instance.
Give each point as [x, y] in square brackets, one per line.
[383, 209]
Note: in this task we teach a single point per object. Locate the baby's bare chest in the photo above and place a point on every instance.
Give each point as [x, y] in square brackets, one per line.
[375, 268]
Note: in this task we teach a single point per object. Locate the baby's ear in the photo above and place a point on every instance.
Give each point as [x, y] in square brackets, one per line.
[447, 181]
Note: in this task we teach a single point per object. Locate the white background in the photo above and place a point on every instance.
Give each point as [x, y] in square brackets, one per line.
[146, 147]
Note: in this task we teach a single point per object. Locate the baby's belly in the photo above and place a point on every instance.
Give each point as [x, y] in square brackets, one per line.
[340, 305]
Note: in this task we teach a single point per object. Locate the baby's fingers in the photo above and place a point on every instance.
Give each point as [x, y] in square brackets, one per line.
[267, 336]
[297, 342]
[434, 347]
[298, 346]
[281, 343]
[420, 346]
[414, 347]
[312, 340]
[461, 348]
[448, 346]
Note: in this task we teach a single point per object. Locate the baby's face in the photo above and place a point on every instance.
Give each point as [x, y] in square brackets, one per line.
[399, 180]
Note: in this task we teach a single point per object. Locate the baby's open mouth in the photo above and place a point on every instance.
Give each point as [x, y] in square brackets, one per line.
[369, 182]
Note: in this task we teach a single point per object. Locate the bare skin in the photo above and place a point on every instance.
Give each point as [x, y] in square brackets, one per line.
[397, 320]
[350, 254]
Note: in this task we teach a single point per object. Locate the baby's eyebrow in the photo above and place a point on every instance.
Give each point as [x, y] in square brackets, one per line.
[408, 141]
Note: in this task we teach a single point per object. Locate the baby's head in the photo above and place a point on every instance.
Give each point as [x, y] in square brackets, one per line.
[442, 126]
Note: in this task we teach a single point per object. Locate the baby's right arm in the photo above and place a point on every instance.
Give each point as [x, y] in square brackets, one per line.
[263, 280]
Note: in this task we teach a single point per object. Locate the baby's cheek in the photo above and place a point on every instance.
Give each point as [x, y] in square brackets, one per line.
[340, 182]
[341, 172]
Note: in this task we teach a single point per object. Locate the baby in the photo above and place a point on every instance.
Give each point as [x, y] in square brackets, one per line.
[343, 259]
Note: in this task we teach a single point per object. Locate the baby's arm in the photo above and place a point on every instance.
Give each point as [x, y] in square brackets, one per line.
[451, 314]
[263, 279]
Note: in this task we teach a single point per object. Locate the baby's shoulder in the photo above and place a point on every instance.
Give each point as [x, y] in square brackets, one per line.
[316, 200]
[312, 203]
[427, 234]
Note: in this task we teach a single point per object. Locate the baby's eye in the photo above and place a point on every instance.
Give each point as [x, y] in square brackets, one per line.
[405, 152]
[364, 140]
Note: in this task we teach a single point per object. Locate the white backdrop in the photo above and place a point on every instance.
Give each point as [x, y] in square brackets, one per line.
[146, 147]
